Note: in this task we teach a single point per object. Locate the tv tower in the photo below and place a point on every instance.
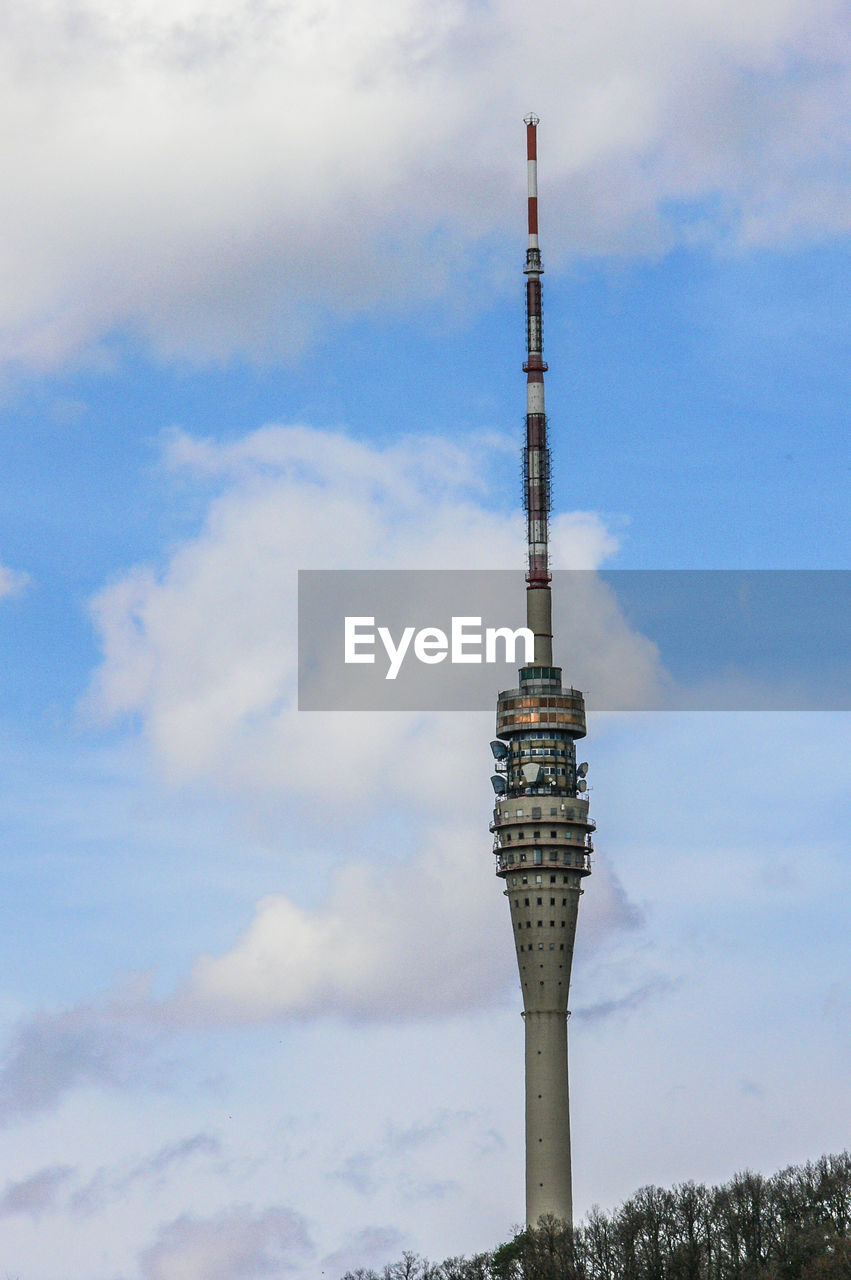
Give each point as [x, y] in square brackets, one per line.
[542, 833]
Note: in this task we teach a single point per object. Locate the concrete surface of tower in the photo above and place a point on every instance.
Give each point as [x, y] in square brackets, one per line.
[542, 833]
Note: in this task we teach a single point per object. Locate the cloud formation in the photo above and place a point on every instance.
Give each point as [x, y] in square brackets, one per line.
[204, 651]
[36, 1194]
[626, 1003]
[365, 1248]
[109, 1183]
[387, 944]
[201, 653]
[52, 1052]
[238, 1243]
[391, 1161]
[219, 177]
[12, 581]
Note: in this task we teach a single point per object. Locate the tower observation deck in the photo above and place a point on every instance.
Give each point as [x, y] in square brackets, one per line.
[542, 832]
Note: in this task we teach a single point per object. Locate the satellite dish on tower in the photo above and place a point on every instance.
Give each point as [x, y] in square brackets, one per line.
[498, 784]
[582, 770]
[499, 749]
[532, 773]
[581, 786]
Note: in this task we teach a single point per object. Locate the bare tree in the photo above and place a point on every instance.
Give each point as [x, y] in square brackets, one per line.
[795, 1225]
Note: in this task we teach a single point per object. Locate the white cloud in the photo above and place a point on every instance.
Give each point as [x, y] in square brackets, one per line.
[12, 582]
[238, 1243]
[110, 1183]
[36, 1194]
[50, 1053]
[204, 653]
[391, 943]
[423, 939]
[220, 176]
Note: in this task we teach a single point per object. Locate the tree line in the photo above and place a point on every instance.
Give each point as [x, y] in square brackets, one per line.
[791, 1226]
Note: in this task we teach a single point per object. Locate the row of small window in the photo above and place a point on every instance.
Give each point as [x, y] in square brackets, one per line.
[509, 721]
[538, 856]
[536, 813]
[531, 946]
[538, 879]
[540, 924]
[540, 902]
[546, 735]
[517, 704]
[536, 835]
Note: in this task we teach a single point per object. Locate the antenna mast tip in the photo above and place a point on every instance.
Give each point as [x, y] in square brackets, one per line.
[531, 119]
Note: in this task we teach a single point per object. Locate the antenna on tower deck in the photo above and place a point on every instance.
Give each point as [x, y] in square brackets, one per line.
[536, 454]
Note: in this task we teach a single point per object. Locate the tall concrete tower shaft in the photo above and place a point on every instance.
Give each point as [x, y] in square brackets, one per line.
[542, 832]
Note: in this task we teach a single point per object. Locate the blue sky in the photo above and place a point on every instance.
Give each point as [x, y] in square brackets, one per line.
[263, 311]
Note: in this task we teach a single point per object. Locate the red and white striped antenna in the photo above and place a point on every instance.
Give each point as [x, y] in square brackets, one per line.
[531, 121]
[536, 454]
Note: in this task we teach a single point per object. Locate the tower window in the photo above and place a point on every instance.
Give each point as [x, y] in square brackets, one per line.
[540, 902]
[552, 902]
